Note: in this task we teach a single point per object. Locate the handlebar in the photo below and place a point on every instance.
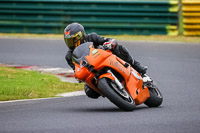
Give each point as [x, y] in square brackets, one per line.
[100, 47]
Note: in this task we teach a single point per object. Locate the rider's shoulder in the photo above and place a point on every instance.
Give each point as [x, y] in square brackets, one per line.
[92, 34]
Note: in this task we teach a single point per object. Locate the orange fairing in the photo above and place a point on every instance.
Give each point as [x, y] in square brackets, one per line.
[97, 56]
[97, 59]
[81, 73]
[100, 59]
[135, 88]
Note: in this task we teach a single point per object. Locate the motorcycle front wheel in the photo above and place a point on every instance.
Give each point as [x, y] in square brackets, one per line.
[120, 98]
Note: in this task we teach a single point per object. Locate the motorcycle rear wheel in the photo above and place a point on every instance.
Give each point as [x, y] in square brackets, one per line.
[125, 103]
[155, 98]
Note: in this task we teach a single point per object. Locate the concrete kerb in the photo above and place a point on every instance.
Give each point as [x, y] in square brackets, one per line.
[60, 72]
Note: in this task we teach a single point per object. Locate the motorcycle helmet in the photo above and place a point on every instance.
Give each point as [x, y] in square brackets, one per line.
[74, 35]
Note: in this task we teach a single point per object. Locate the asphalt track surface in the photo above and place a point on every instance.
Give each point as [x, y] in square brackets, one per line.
[173, 66]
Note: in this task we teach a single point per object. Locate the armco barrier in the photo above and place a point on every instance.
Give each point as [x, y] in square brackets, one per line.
[144, 17]
[191, 17]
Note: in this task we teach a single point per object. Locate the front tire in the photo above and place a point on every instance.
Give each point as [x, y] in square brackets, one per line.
[107, 87]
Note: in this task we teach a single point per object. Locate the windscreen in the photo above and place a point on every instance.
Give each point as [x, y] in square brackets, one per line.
[81, 51]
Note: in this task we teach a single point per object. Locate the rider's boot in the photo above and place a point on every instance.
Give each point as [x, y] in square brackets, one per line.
[138, 67]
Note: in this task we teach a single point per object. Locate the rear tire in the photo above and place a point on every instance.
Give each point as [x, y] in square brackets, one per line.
[124, 103]
[155, 98]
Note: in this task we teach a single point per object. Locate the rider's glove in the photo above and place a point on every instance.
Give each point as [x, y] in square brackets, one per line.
[109, 45]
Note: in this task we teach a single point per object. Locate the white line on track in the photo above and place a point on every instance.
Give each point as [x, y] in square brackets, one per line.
[70, 94]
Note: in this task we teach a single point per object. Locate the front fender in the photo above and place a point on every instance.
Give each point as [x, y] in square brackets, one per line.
[107, 75]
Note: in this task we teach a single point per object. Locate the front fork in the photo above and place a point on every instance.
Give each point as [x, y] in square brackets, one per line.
[119, 84]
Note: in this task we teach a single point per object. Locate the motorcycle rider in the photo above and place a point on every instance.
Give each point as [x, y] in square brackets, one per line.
[74, 35]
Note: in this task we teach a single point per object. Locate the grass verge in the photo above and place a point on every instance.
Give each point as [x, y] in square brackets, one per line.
[23, 84]
[162, 38]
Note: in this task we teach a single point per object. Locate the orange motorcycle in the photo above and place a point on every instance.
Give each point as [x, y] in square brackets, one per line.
[114, 78]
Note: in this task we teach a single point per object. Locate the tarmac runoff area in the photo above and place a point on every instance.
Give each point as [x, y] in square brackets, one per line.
[65, 75]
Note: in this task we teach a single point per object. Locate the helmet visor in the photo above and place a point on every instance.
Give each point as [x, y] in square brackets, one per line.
[74, 40]
[69, 42]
